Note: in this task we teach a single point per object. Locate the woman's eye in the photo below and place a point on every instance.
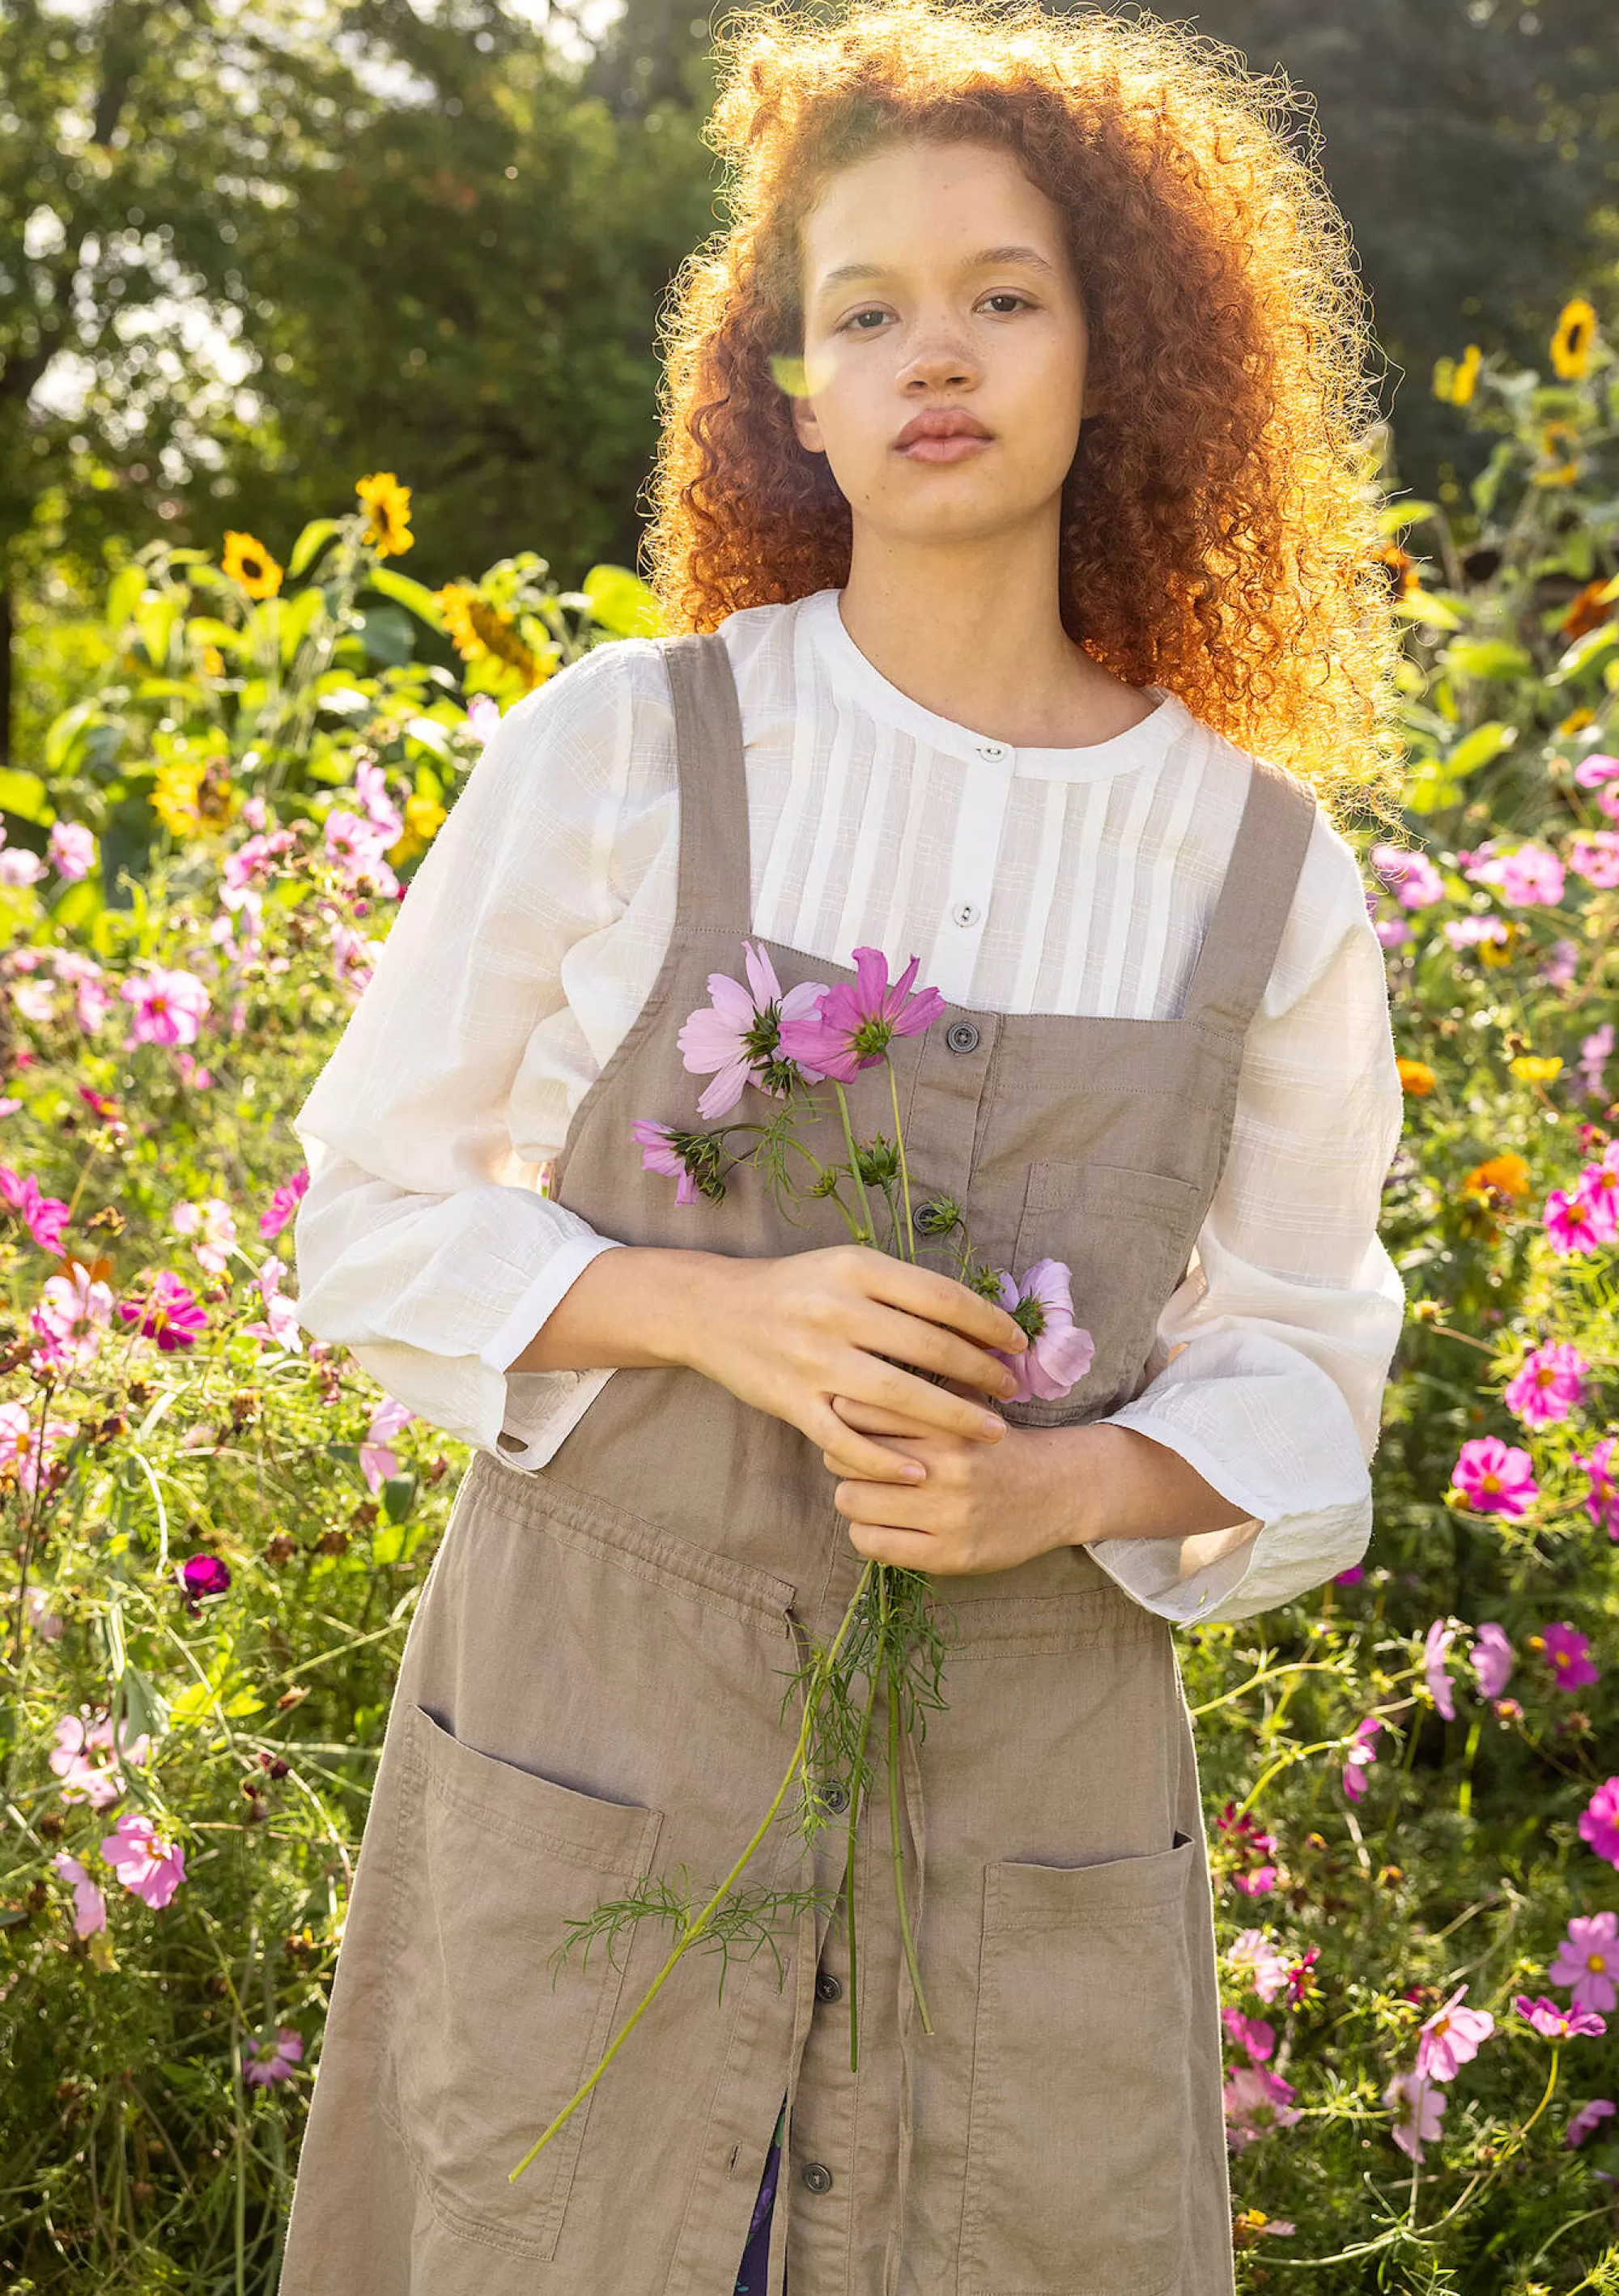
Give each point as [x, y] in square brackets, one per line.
[1007, 296]
[855, 319]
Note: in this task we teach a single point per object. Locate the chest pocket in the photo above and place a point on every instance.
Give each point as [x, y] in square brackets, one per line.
[1127, 1236]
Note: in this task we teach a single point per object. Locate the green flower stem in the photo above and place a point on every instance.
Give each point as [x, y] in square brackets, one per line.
[855, 1806]
[894, 1826]
[905, 1169]
[697, 1928]
[860, 1185]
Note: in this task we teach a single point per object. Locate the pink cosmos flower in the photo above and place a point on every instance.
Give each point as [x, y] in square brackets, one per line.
[1589, 2117]
[143, 1860]
[280, 1327]
[18, 866]
[354, 959]
[1435, 1644]
[1595, 857]
[1360, 1758]
[1597, 1189]
[1449, 2038]
[1495, 1478]
[1531, 877]
[172, 1315]
[1548, 1384]
[370, 787]
[1591, 772]
[251, 867]
[355, 847]
[273, 2061]
[89, 1906]
[170, 1006]
[32, 1451]
[1412, 875]
[214, 1223]
[1587, 1960]
[1301, 1984]
[483, 716]
[1599, 1821]
[1256, 2102]
[1566, 1652]
[1491, 1660]
[1253, 1846]
[1420, 2107]
[44, 1217]
[378, 1459]
[1554, 2023]
[1253, 1953]
[88, 1764]
[854, 1023]
[1602, 1499]
[1570, 1222]
[71, 850]
[658, 1153]
[1060, 1351]
[1467, 932]
[72, 1313]
[1250, 2033]
[283, 1203]
[1392, 933]
[738, 1037]
[1561, 963]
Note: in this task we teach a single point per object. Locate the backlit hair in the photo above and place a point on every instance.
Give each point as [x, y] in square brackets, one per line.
[1221, 514]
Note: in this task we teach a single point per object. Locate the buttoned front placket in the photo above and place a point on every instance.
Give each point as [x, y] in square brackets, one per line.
[987, 776]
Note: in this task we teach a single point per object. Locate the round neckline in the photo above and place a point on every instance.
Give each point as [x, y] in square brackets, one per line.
[821, 619]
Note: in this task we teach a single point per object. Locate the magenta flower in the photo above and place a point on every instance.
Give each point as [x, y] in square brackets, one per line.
[1597, 1189]
[143, 1860]
[1435, 1644]
[85, 1760]
[738, 1037]
[854, 1023]
[1554, 2023]
[43, 1216]
[71, 850]
[1599, 1821]
[1360, 1758]
[1255, 2102]
[283, 1203]
[1491, 1660]
[378, 1458]
[89, 1906]
[355, 847]
[1564, 1650]
[273, 2061]
[1350, 1578]
[32, 1451]
[1301, 1984]
[1494, 1478]
[1412, 875]
[172, 1316]
[679, 1155]
[1420, 2107]
[1589, 2117]
[1570, 1223]
[1602, 1499]
[204, 1574]
[1252, 1954]
[1256, 1871]
[1530, 878]
[1591, 772]
[1587, 1959]
[1449, 2038]
[72, 1312]
[1595, 857]
[170, 1006]
[1059, 1352]
[1548, 1384]
[1253, 2034]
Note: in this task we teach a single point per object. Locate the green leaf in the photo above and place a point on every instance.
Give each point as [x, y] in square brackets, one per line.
[1583, 650]
[416, 595]
[1487, 657]
[299, 617]
[1423, 606]
[1478, 748]
[621, 602]
[398, 1496]
[23, 794]
[1395, 515]
[318, 532]
[124, 594]
[65, 731]
[1431, 789]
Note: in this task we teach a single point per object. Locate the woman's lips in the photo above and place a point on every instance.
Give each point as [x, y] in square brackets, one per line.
[953, 449]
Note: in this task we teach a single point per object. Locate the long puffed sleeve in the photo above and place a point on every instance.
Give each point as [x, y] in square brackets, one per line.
[1282, 1336]
[423, 1242]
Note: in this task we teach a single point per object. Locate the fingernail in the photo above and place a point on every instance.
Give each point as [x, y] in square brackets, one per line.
[989, 1425]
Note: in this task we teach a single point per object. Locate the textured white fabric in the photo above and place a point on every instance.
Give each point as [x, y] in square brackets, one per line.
[1050, 880]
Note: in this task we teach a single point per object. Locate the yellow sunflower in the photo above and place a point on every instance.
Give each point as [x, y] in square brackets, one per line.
[1571, 345]
[1455, 379]
[423, 818]
[476, 627]
[387, 528]
[247, 562]
[1559, 450]
[1535, 1067]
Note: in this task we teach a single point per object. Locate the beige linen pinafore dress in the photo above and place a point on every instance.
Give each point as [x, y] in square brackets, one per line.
[592, 1692]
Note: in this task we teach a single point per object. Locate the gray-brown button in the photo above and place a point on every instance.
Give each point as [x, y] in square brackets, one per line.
[828, 1988]
[817, 2175]
[836, 1796]
[961, 1036]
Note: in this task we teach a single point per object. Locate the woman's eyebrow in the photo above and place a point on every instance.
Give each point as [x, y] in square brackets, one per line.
[986, 259]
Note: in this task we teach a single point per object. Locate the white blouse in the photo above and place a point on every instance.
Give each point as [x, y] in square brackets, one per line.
[1075, 881]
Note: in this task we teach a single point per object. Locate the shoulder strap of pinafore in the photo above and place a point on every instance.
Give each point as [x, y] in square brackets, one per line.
[716, 892]
[1245, 930]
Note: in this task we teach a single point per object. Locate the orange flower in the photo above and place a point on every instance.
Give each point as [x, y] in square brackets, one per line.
[1401, 569]
[1416, 1078]
[1588, 610]
[1506, 1175]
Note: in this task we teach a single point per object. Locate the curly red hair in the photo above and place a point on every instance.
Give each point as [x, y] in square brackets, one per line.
[1219, 517]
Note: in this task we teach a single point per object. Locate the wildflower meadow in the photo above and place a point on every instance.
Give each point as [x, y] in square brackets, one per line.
[215, 1528]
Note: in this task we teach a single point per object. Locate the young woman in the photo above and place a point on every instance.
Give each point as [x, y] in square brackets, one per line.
[1012, 504]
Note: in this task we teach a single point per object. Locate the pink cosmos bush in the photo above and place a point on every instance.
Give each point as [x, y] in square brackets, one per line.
[1588, 1959]
[1550, 1384]
[1495, 1478]
[144, 1860]
[1449, 2038]
[1491, 1660]
[1554, 2023]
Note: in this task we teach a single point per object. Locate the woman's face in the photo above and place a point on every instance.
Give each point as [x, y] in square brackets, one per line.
[937, 284]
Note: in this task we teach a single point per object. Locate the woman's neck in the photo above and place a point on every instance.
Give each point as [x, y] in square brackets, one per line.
[974, 634]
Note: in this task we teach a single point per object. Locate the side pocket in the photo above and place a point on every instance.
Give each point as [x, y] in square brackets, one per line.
[490, 1864]
[1077, 2150]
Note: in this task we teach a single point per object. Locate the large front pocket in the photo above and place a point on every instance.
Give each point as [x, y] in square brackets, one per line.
[1078, 2143]
[490, 1862]
[1126, 1235]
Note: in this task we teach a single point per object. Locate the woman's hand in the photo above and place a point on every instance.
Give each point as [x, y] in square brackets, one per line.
[982, 1506]
[789, 1334]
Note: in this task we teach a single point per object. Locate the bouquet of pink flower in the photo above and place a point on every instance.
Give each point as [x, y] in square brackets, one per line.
[789, 1046]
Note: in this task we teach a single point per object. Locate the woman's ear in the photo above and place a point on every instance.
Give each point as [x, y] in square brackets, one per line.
[807, 429]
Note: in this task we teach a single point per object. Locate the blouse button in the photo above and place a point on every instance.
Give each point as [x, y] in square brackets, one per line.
[828, 1988]
[817, 2175]
[965, 912]
[994, 751]
[961, 1036]
[837, 1796]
